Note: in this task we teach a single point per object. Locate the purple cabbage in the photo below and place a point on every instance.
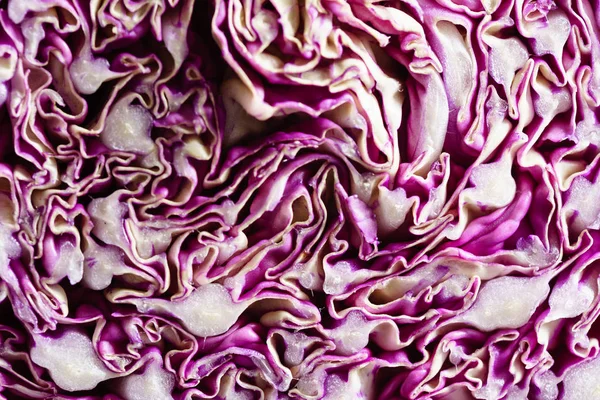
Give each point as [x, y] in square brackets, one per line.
[285, 199]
